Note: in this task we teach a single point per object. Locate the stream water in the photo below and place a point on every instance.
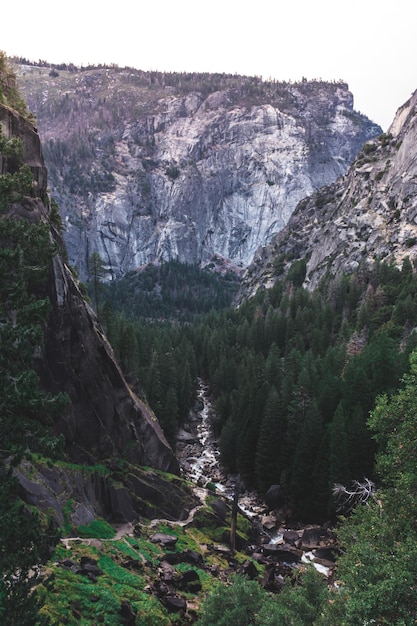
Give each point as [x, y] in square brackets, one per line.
[199, 456]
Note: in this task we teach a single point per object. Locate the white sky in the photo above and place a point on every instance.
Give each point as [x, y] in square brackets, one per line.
[370, 44]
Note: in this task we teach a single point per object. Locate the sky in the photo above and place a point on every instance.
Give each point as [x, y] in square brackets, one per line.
[370, 44]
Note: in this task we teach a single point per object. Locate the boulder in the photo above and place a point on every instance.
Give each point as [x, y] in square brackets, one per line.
[188, 556]
[189, 581]
[220, 508]
[274, 497]
[248, 568]
[315, 536]
[167, 541]
[174, 603]
[280, 554]
[291, 536]
[127, 614]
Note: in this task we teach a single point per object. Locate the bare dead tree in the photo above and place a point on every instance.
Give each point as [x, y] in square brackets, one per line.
[358, 493]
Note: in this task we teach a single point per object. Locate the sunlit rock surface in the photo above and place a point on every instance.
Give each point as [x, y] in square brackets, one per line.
[148, 172]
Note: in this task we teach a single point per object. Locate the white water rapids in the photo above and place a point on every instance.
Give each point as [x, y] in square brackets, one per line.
[199, 455]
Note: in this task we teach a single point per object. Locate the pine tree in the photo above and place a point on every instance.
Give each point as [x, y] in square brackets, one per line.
[268, 461]
[96, 271]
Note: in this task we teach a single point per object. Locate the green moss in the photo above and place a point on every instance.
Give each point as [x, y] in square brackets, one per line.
[96, 528]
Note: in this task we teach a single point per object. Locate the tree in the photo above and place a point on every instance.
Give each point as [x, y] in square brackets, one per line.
[379, 569]
[97, 272]
[24, 547]
[26, 411]
[236, 604]
[268, 463]
[244, 602]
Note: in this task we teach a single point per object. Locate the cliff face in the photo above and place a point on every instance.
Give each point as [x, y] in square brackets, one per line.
[371, 213]
[156, 171]
[104, 418]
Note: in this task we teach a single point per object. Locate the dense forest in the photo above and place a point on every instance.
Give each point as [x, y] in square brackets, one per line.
[311, 389]
[293, 374]
[295, 377]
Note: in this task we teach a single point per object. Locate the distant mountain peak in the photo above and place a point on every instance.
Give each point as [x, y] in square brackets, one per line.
[150, 166]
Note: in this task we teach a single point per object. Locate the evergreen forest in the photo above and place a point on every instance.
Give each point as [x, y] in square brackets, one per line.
[293, 374]
[311, 389]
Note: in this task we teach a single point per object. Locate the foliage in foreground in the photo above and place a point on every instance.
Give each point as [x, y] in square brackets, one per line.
[379, 569]
[244, 602]
[26, 412]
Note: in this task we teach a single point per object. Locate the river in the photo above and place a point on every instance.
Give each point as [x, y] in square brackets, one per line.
[199, 456]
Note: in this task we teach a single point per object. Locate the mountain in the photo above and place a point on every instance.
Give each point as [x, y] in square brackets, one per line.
[368, 214]
[103, 421]
[148, 166]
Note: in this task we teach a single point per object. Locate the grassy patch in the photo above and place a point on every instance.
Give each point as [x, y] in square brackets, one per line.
[97, 528]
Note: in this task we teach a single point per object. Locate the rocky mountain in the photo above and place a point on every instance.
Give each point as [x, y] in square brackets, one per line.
[105, 424]
[148, 166]
[369, 214]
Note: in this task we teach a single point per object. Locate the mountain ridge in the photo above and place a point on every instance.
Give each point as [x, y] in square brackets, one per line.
[366, 215]
[186, 167]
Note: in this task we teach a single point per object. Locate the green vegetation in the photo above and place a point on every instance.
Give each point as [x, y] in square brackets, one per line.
[97, 528]
[310, 388]
[171, 291]
[26, 411]
[9, 94]
[244, 602]
[379, 569]
[293, 374]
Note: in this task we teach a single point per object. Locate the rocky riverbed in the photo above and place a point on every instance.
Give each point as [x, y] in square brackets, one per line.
[281, 538]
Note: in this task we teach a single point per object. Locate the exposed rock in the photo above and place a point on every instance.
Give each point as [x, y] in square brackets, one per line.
[117, 495]
[127, 614]
[167, 541]
[166, 572]
[174, 603]
[316, 536]
[279, 553]
[248, 568]
[221, 508]
[208, 173]
[14, 125]
[274, 497]
[269, 521]
[188, 556]
[291, 536]
[86, 567]
[185, 436]
[368, 214]
[189, 581]
[133, 564]
[104, 419]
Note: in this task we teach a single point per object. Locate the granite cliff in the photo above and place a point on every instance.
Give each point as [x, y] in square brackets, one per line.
[368, 214]
[105, 424]
[149, 166]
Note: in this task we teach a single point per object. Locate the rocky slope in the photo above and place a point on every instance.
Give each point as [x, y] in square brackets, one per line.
[149, 167]
[105, 423]
[370, 213]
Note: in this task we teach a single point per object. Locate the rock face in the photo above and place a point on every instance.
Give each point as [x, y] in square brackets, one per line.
[369, 214]
[104, 418]
[158, 170]
[119, 492]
